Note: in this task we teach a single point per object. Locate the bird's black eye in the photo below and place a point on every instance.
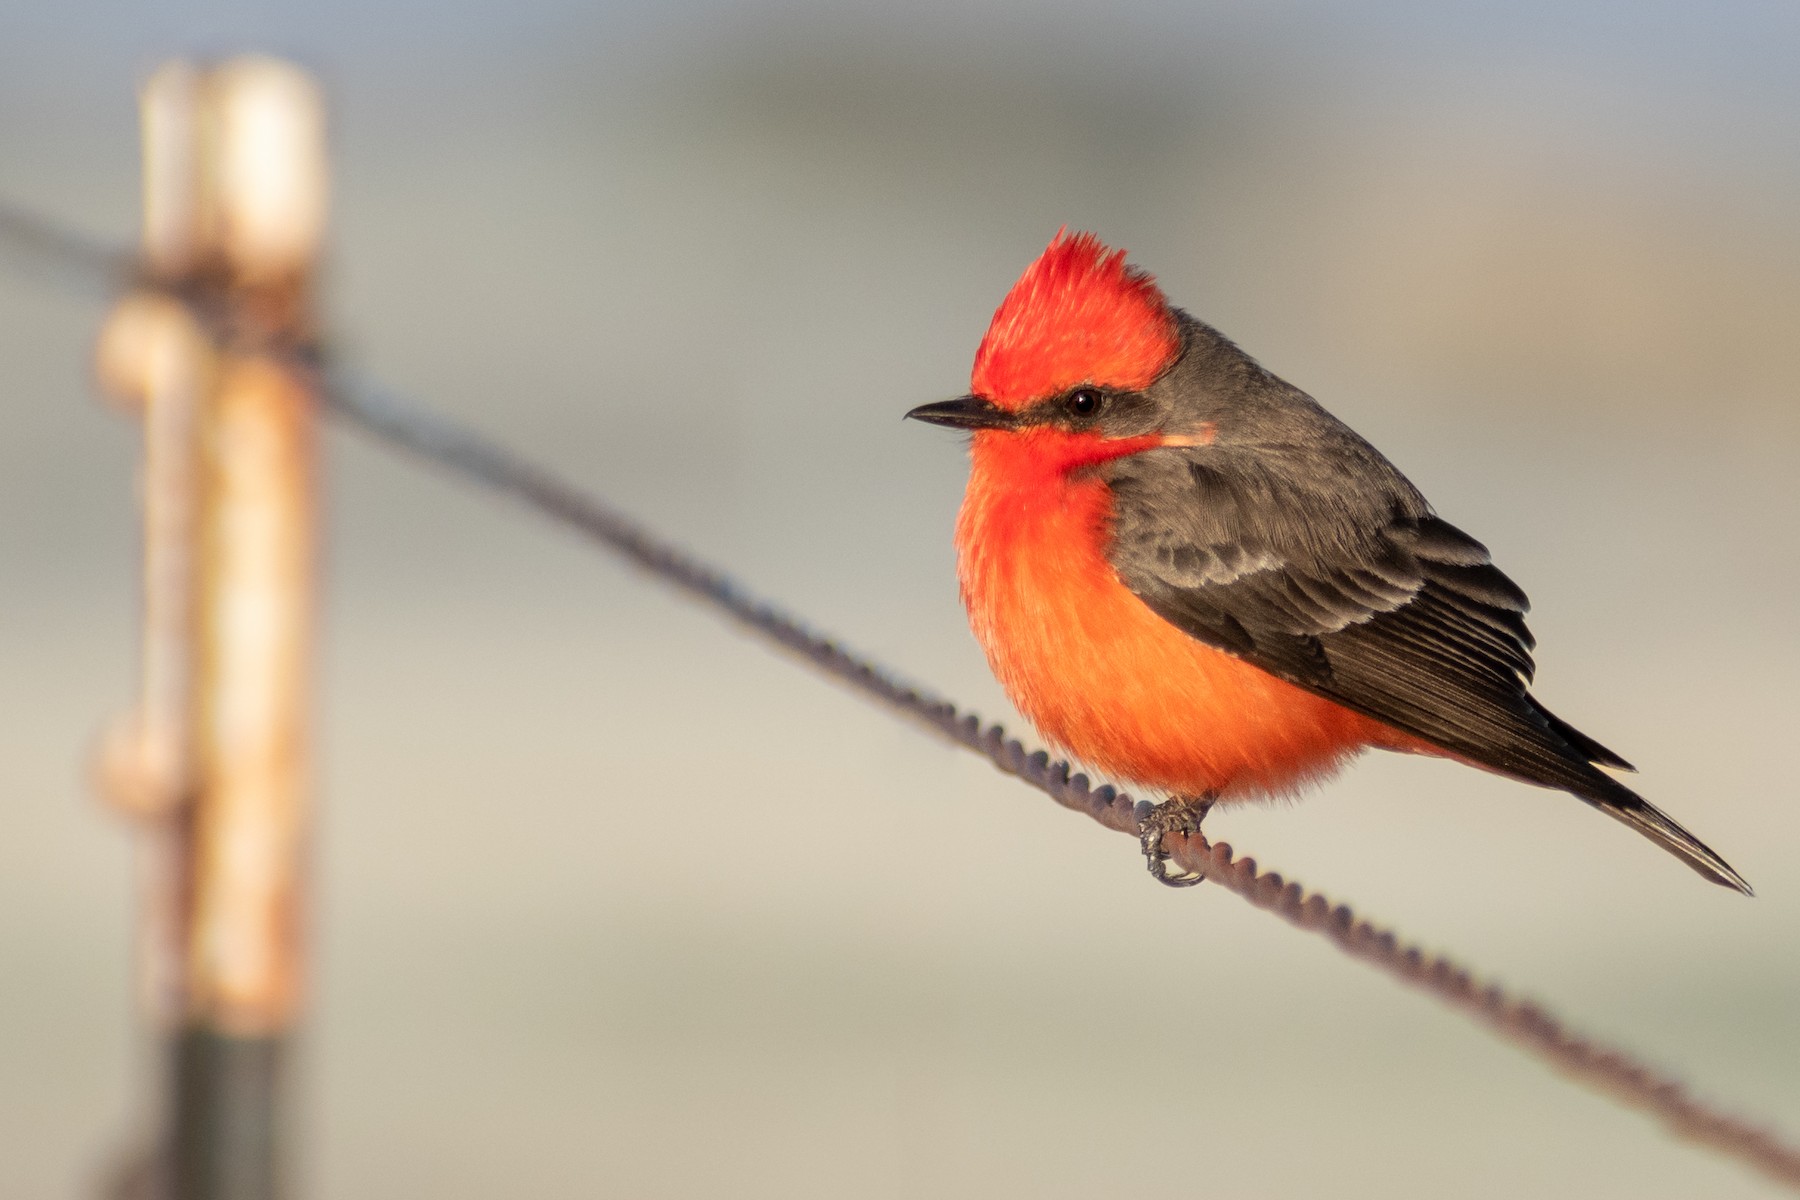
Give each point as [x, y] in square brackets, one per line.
[1084, 402]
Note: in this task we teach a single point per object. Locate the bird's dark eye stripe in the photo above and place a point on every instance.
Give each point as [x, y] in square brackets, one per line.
[1084, 402]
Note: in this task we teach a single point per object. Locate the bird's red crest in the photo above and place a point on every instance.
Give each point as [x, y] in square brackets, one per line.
[1079, 314]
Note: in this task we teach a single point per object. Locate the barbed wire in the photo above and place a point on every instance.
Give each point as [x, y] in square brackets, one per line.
[1524, 1022]
[384, 415]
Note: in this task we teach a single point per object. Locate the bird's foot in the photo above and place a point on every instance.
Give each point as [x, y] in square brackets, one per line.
[1183, 814]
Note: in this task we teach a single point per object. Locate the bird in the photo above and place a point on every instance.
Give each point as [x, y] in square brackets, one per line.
[1191, 577]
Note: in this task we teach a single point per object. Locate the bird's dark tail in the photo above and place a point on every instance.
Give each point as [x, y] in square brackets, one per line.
[1622, 804]
[1575, 770]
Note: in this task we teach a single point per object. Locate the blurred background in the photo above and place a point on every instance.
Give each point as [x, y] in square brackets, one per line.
[701, 257]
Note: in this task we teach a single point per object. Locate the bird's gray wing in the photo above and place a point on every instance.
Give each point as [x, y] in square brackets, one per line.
[1372, 602]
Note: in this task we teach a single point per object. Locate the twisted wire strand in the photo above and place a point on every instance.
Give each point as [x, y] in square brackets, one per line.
[1522, 1022]
[44, 249]
[90, 266]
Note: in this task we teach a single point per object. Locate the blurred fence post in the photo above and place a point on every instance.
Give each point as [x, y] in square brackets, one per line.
[215, 759]
[154, 355]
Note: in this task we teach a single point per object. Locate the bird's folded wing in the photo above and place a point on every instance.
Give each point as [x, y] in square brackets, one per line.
[1386, 610]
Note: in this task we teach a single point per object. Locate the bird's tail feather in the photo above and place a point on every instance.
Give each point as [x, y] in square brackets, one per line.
[1578, 773]
[1584, 745]
[1660, 828]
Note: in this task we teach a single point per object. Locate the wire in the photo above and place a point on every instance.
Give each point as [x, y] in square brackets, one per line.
[1523, 1022]
[40, 248]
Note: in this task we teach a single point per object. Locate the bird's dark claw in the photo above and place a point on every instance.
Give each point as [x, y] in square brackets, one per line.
[1183, 814]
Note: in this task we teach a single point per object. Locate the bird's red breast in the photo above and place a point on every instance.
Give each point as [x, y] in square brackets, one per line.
[1095, 670]
[1082, 657]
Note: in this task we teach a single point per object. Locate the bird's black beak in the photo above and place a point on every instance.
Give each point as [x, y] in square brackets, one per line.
[965, 412]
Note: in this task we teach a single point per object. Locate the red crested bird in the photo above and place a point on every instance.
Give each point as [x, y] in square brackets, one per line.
[1190, 576]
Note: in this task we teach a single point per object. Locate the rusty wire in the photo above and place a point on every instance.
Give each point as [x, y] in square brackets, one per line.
[468, 454]
[1523, 1022]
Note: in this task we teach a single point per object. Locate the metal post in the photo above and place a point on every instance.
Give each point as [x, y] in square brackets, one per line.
[216, 757]
[155, 356]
